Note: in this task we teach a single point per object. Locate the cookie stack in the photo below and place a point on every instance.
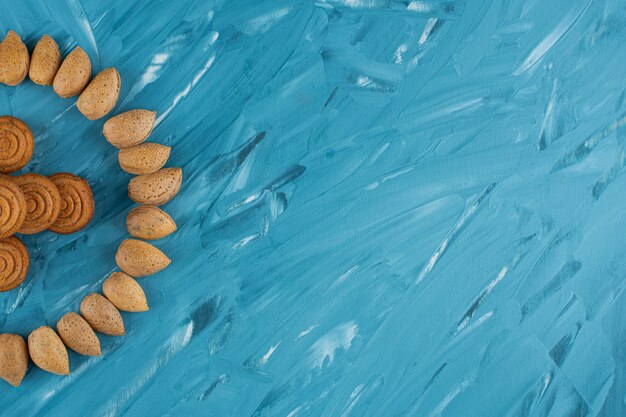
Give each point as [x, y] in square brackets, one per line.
[32, 203]
[63, 203]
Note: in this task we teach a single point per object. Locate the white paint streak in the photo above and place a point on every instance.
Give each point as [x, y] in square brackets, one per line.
[430, 25]
[326, 346]
[550, 40]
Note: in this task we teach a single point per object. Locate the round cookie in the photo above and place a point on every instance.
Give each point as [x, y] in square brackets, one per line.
[43, 202]
[77, 206]
[12, 207]
[16, 144]
[14, 263]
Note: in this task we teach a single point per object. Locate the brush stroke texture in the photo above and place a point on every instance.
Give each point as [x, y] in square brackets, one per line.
[400, 208]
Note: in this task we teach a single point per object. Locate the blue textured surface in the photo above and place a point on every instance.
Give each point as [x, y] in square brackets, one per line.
[389, 208]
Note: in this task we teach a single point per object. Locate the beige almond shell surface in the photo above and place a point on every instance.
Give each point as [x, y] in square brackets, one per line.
[45, 61]
[125, 293]
[13, 358]
[14, 59]
[77, 335]
[48, 351]
[149, 223]
[101, 95]
[157, 188]
[145, 158]
[102, 315]
[73, 74]
[129, 128]
[139, 259]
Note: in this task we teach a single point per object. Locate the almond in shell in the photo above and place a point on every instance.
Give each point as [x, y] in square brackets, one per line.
[101, 94]
[138, 258]
[45, 61]
[125, 293]
[149, 223]
[157, 188]
[14, 59]
[129, 128]
[77, 335]
[101, 315]
[13, 358]
[143, 159]
[47, 351]
[73, 74]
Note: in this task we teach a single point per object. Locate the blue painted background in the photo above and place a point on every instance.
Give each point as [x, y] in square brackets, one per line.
[389, 208]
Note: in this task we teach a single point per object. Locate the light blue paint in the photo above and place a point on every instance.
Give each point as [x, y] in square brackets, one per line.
[389, 208]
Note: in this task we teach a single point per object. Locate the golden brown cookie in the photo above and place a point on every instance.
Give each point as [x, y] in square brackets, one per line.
[14, 263]
[16, 144]
[77, 206]
[12, 207]
[43, 202]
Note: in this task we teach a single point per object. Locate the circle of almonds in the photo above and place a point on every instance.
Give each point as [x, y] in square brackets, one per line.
[152, 186]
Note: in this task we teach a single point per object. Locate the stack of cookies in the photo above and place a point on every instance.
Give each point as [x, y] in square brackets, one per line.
[32, 203]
